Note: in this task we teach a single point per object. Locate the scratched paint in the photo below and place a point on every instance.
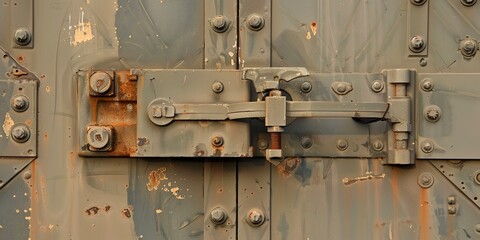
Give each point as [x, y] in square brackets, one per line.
[7, 124]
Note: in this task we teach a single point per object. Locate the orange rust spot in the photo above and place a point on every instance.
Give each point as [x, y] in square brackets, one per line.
[92, 211]
[126, 212]
[20, 59]
[28, 122]
[313, 27]
[107, 208]
[155, 177]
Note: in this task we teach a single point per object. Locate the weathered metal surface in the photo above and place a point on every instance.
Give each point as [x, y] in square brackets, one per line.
[311, 198]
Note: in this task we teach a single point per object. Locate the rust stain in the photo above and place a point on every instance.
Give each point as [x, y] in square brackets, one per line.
[313, 27]
[28, 122]
[155, 177]
[7, 124]
[21, 59]
[107, 208]
[92, 211]
[424, 223]
[126, 213]
[289, 166]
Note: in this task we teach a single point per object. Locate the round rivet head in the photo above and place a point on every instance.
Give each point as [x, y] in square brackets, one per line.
[217, 141]
[306, 142]
[425, 180]
[426, 85]
[423, 62]
[468, 47]
[19, 103]
[342, 144]
[98, 137]
[20, 133]
[100, 82]
[476, 177]
[377, 145]
[218, 216]
[255, 217]
[27, 174]
[377, 86]
[255, 22]
[418, 2]
[468, 3]
[217, 87]
[22, 36]
[417, 44]
[306, 87]
[427, 146]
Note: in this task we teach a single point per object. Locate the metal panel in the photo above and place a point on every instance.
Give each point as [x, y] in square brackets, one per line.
[417, 28]
[21, 19]
[451, 132]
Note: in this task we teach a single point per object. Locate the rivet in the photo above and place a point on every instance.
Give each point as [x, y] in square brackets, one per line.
[426, 85]
[468, 47]
[306, 142]
[418, 2]
[219, 23]
[342, 144]
[477, 177]
[306, 87]
[27, 174]
[468, 3]
[417, 44]
[262, 144]
[255, 217]
[20, 133]
[423, 62]
[19, 103]
[432, 113]
[341, 88]
[217, 87]
[377, 86]
[477, 228]
[377, 145]
[425, 180]
[427, 146]
[98, 137]
[217, 141]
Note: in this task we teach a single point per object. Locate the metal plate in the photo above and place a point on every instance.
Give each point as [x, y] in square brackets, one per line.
[10, 118]
[454, 134]
[190, 138]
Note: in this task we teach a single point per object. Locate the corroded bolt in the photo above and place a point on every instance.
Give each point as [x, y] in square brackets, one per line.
[377, 86]
[341, 88]
[306, 142]
[427, 146]
[451, 200]
[217, 87]
[255, 22]
[451, 209]
[100, 82]
[27, 174]
[255, 217]
[22, 36]
[342, 144]
[306, 87]
[19, 103]
[98, 137]
[219, 23]
[432, 113]
[217, 141]
[417, 44]
[20, 133]
[425, 180]
[377, 146]
[469, 46]
[218, 216]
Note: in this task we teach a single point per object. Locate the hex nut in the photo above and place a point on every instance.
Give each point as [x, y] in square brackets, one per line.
[22, 37]
[255, 217]
[255, 22]
[217, 87]
[219, 23]
[218, 216]
[425, 180]
[20, 133]
[468, 47]
[100, 82]
[19, 103]
[417, 44]
[217, 141]
[342, 144]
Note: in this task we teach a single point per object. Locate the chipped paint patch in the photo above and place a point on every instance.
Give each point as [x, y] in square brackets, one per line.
[82, 33]
[313, 26]
[175, 193]
[158, 211]
[155, 177]
[7, 124]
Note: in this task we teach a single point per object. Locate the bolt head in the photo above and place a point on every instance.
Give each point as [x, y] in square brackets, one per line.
[377, 146]
[20, 133]
[22, 36]
[306, 142]
[425, 180]
[218, 215]
[98, 137]
[377, 86]
[19, 103]
[255, 217]
[427, 146]
[100, 82]
[432, 113]
[342, 144]
[255, 22]
[217, 87]
[426, 85]
[219, 23]
[417, 44]
[262, 144]
[306, 87]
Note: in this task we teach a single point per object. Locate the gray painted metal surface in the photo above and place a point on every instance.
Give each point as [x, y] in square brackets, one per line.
[88, 176]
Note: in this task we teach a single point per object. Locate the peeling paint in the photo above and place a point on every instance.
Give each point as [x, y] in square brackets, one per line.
[82, 33]
[7, 124]
[155, 177]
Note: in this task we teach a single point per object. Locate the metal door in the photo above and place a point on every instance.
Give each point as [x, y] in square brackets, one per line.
[242, 119]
